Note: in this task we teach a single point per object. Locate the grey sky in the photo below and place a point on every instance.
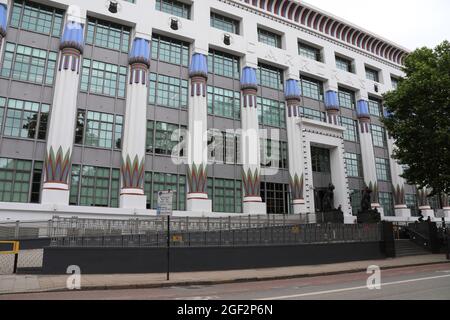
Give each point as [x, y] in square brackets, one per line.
[410, 23]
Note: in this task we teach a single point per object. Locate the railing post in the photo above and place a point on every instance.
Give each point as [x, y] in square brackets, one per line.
[16, 230]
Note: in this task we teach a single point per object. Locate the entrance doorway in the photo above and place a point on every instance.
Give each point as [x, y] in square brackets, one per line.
[319, 193]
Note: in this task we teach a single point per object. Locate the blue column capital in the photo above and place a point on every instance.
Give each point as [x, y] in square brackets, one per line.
[73, 36]
[362, 109]
[199, 65]
[292, 90]
[331, 100]
[3, 19]
[248, 78]
[140, 52]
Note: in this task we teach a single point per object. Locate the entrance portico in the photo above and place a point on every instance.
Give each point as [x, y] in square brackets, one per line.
[328, 136]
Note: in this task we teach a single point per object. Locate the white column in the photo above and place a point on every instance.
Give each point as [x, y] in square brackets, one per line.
[367, 154]
[251, 170]
[63, 114]
[295, 140]
[398, 183]
[133, 150]
[197, 177]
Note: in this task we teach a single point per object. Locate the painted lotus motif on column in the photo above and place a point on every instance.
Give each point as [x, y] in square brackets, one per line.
[197, 178]
[57, 166]
[251, 180]
[296, 185]
[399, 195]
[132, 173]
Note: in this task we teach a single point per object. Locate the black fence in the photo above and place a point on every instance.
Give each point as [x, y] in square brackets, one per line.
[276, 235]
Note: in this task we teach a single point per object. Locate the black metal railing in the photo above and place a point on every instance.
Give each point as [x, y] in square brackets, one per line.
[292, 234]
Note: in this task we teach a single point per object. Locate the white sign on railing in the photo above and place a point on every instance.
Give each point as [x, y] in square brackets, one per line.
[165, 199]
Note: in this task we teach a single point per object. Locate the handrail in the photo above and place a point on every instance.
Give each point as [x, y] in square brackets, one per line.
[424, 239]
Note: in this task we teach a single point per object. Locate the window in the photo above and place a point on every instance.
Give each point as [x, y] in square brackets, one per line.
[311, 88]
[224, 23]
[344, 64]
[309, 52]
[174, 7]
[386, 203]
[270, 77]
[108, 35]
[163, 137]
[15, 177]
[271, 113]
[312, 114]
[382, 169]
[103, 78]
[26, 119]
[353, 164]
[223, 64]
[29, 64]
[378, 136]
[224, 103]
[36, 17]
[169, 50]
[36, 182]
[320, 160]
[94, 186]
[374, 107]
[98, 129]
[222, 147]
[351, 132]
[275, 195]
[168, 91]
[372, 74]
[163, 182]
[269, 38]
[355, 200]
[274, 153]
[226, 195]
[346, 98]
[394, 82]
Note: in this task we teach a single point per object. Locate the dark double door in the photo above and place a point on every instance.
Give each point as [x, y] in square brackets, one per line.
[320, 160]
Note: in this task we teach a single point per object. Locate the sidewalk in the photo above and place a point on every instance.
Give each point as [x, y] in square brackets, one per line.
[40, 283]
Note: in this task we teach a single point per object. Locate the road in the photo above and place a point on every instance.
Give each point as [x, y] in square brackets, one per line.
[411, 283]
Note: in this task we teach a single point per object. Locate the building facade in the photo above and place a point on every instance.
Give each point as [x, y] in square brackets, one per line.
[265, 102]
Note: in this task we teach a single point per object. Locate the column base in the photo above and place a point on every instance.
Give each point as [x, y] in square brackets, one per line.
[254, 206]
[198, 202]
[427, 212]
[55, 193]
[348, 219]
[379, 208]
[133, 199]
[402, 211]
[446, 212]
[299, 206]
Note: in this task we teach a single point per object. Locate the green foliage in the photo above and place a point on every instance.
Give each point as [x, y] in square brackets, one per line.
[420, 118]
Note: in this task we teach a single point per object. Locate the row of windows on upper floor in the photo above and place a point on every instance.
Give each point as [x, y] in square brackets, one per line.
[39, 18]
[36, 65]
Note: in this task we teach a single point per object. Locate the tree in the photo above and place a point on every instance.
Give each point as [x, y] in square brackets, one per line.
[419, 118]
